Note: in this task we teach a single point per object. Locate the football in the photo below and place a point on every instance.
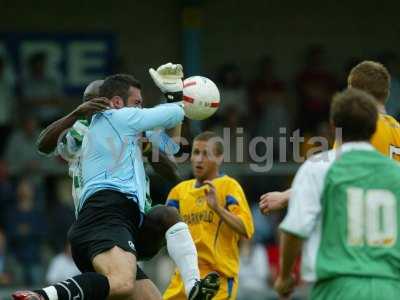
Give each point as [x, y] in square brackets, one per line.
[200, 97]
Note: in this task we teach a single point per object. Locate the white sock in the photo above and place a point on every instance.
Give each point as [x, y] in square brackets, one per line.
[183, 252]
[51, 293]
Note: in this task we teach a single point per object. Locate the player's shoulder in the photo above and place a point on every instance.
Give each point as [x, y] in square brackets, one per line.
[388, 120]
[120, 113]
[227, 184]
[319, 162]
[228, 180]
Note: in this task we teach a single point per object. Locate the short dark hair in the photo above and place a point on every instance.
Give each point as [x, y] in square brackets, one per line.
[371, 77]
[208, 135]
[354, 111]
[118, 85]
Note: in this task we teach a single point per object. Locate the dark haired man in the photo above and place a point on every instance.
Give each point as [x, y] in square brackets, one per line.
[113, 197]
[344, 212]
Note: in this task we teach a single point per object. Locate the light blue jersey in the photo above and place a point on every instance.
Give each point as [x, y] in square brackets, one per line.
[69, 148]
[111, 155]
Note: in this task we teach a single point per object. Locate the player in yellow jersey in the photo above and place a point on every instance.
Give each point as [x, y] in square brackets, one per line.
[215, 208]
[373, 78]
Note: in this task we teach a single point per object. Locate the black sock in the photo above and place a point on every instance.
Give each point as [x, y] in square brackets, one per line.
[42, 293]
[88, 286]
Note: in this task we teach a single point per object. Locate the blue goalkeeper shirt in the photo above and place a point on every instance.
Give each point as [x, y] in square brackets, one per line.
[111, 157]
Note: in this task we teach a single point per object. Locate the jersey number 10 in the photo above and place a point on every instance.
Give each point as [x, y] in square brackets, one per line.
[371, 217]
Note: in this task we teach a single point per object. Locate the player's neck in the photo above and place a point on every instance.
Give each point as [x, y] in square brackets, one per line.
[381, 108]
[210, 177]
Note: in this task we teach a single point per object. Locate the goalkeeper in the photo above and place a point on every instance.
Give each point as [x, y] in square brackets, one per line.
[177, 235]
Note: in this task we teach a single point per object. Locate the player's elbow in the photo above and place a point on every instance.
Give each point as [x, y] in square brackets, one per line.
[248, 231]
[246, 234]
[42, 147]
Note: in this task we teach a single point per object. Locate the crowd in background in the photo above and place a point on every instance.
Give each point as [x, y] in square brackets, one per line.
[35, 201]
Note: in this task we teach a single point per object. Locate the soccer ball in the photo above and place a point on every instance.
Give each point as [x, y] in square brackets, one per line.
[200, 97]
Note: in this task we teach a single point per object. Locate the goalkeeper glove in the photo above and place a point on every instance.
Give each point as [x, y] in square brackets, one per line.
[168, 78]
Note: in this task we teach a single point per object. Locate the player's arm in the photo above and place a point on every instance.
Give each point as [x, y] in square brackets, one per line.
[163, 166]
[70, 141]
[158, 147]
[175, 133]
[231, 220]
[166, 116]
[290, 248]
[274, 201]
[48, 138]
[300, 221]
[235, 221]
[168, 78]
[173, 197]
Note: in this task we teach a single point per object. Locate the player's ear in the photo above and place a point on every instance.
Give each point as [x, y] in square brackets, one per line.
[117, 102]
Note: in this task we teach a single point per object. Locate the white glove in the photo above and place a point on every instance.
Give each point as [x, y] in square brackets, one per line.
[168, 78]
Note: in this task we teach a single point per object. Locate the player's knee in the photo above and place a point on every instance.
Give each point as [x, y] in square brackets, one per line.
[170, 217]
[165, 216]
[121, 286]
[127, 289]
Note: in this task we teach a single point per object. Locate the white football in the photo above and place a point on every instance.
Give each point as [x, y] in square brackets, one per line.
[200, 97]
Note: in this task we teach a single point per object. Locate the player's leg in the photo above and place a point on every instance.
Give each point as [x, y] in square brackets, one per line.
[144, 287]
[164, 223]
[175, 289]
[119, 266]
[228, 289]
[102, 241]
[89, 286]
[146, 290]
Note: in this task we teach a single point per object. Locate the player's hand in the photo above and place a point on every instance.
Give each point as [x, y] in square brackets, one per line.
[273, 201]
[92, 106]
[284, 286]
[168, 78]
[211, 195]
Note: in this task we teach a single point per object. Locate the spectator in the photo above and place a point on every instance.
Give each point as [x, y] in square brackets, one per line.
[60, 213]
[40, 90]
[21, 153]
[6, 193]
[234, 136]
[231, 89]
[348, 65]
[254, 274]
[25, 229]
[4, 277]
[61, 266]
[261, 85]
[7, 102]
[315, 86]
[275, 117]
[265, 226]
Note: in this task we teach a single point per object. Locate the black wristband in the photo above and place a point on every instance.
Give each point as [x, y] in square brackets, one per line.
[174, 96]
